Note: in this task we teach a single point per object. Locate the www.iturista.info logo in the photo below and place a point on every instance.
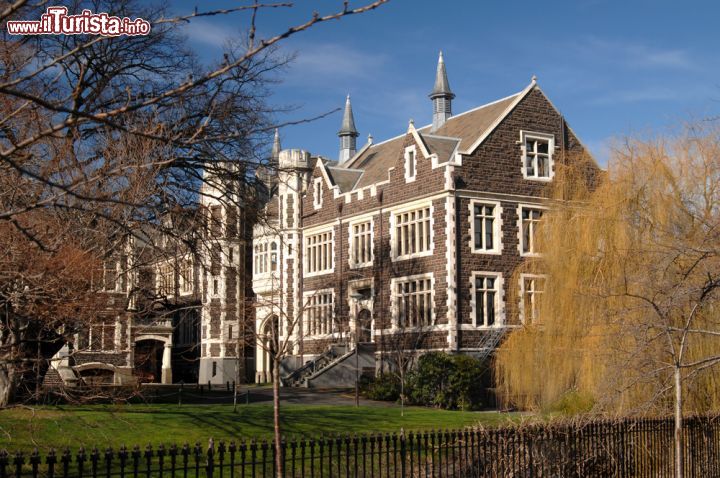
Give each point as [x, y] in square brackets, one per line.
[56, 21]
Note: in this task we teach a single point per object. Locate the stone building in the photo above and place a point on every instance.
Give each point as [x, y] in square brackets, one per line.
[409, 244]
[176, 302]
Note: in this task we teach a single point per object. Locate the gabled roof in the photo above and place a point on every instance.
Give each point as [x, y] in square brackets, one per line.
[459, 133]
[468, 126]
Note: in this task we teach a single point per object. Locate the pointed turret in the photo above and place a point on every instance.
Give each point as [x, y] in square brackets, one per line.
[275, 154]
[348, 134]
[441, 96]
[268, 173]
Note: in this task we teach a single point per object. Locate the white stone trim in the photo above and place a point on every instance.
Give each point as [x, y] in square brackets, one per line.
[317, 193]
[406, 157]
[520, 207]
[451, 256]
[521, 288]
[497, 226]
[393, 302]
[407, 207]
[550, 138]
[310, 293]
[499, 301]
[305, 237]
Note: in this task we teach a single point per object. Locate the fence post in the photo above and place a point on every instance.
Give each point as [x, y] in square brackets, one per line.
[210, 461]
[18, 461]
[148, 460]
[51, 459]
[35, 461]
[402, 453]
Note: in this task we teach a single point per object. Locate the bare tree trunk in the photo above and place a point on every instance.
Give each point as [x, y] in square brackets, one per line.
[8, 383]
[679, 471]
[276, 419]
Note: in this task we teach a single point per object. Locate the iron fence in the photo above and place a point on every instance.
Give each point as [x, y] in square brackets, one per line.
[621, 448]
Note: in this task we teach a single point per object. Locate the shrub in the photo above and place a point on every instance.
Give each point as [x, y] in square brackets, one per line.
[428, 382]
[384, 387]
[447, 381]
[573, 402]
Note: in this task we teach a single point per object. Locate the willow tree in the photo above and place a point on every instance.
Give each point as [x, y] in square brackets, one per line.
[631, 313]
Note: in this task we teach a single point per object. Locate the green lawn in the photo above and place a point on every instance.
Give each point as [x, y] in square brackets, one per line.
[115, 425]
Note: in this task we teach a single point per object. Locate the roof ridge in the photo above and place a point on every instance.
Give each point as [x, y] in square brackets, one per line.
[472, 110]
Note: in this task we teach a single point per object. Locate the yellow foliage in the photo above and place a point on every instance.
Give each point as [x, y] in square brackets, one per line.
[634, 280]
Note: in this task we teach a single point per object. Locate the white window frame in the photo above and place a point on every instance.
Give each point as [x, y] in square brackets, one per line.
[394, 256]
[394, 303]
[521, 243]
[186, 276]
[104, 347]
[497, 226]
[317, 193]
[351, 234]
[521, 308]
[306, 236]
[261, 257]
[410, 154]
[307, 296]
[499, 302]
[531, 135]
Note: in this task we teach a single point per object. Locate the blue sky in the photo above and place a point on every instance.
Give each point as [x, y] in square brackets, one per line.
[612, 68]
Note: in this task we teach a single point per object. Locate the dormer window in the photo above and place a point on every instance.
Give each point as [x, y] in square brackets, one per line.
[317, 193]
[410, 163]
[537, 155]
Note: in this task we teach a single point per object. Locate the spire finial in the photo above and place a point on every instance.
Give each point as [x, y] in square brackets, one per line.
[442, 85]
[348, 134]
[534, 79]
[348, 122]
[441, 96]
[276, 145]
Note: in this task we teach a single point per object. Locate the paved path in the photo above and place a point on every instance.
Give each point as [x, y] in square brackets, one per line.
[305, 396]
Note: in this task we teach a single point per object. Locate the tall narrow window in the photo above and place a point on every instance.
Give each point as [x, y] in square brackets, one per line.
[273, 256]
[412, 232]
[533, 287]
[317, 193]
[215, 221]
[529, 223]
[361, 244]
[485, 227]
[110, 273]
[486, 296]
[410, 163]
[260, 259]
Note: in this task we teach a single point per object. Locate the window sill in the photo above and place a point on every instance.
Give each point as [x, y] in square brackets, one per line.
[494, 252]
[318, 273]
[412, 256]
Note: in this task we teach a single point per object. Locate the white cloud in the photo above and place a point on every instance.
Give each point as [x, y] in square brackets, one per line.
[635, 55]
[328, 62]
[208, 33]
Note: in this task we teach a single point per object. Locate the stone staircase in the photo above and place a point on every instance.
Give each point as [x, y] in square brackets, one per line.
[338, 366]
[298, 377]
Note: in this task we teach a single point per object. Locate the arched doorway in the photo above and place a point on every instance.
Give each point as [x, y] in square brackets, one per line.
[148, 360]
[363, 326]
[268, 346]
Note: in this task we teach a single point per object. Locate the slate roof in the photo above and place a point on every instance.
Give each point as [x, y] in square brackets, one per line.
[458, 133]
